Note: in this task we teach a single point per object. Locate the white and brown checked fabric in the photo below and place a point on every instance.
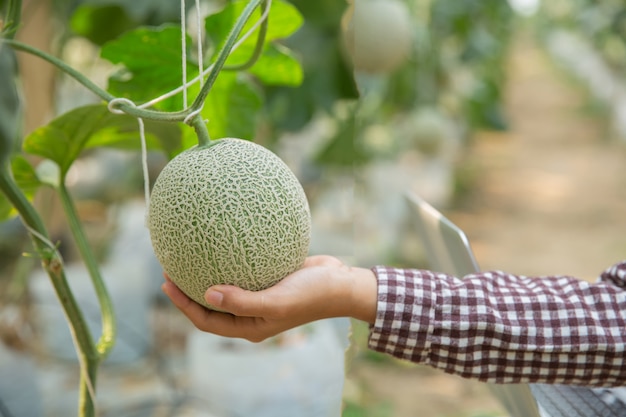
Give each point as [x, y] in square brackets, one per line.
[503, 328]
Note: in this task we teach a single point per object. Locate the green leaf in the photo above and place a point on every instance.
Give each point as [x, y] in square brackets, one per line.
[284, 20]
[151, 59]
[232, 107]
[278, 66]
[25, 175]
[26, 179]
[63, 139]
[100, 22]
[151, 12]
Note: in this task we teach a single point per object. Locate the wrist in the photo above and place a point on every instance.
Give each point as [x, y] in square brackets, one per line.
[363, 294]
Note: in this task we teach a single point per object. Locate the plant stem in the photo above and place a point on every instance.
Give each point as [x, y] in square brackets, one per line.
[151, 114]
[103, 94]
[53, 265]
[258, 47]
[224, 52]
[62, 66]
[107, 337]
[201, 130]
[14, 16]
[86, 404]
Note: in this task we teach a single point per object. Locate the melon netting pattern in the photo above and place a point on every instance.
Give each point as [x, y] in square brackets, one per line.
[231, 213]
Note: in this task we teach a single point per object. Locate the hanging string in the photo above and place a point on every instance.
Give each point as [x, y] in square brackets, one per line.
[144, 145]
[203, 72]
[207, 70]
[183, 37]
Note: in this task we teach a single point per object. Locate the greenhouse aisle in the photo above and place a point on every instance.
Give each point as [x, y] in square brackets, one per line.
[549, 196]
[546, 197]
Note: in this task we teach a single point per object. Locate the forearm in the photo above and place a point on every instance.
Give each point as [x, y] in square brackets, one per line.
[502, 328]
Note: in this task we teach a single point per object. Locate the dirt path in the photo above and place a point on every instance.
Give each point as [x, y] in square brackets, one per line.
[548, 197]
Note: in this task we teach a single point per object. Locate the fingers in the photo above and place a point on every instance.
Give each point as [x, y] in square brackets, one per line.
[219, 323]
[253, 329]
[321, 260]
[196, 313]
[223, 297]
[237, 301]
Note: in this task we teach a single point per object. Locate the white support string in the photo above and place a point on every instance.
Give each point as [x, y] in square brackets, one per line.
[191, 116]
[207, 70]
[203, 72]
[144, 145]
[183, 47]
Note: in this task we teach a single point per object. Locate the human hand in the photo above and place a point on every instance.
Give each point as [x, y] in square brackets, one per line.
[323, 288]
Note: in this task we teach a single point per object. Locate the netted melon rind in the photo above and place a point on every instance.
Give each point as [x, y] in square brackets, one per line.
[232, 213]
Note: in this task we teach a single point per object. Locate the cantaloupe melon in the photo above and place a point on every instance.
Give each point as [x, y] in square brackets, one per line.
[378, 35]
[232, 213]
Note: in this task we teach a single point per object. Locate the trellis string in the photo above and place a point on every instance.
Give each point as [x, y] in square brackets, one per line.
[207, 70]
[183, 47]
[202, 72]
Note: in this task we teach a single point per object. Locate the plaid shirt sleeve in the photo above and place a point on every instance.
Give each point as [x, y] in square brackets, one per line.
[503, 328]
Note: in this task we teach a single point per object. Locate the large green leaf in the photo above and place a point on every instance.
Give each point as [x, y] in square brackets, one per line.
[148, 12]
[100, 22]
[232, 107]
[276, 65]
[63, 139]
[151, 59]
[284, 20]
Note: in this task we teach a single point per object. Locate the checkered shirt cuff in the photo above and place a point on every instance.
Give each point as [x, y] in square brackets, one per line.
[503, 328]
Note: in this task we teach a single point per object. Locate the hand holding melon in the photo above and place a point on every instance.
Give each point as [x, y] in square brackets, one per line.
[323, 288]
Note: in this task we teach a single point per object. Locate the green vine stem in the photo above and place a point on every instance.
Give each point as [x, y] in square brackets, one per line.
[258, 47]
[224, 53]
[89, 353]
[90, 85]
[107, 337]
[53, 265]
[127, 108]
[13, 18]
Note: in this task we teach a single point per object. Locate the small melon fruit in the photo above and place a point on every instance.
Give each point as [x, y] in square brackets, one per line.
[377, 35]
[231, 213]
[429, 130]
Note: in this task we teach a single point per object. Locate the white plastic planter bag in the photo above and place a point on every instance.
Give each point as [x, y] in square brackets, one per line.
[126, 284]
[299, 373]
[20, 394]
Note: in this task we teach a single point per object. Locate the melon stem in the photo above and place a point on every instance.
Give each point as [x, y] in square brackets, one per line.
[199, 125]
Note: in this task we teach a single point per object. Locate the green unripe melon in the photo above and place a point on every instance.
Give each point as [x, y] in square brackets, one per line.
[378, 35]
[228, 213]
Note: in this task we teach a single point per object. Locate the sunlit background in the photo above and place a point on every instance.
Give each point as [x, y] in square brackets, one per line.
[509, 117]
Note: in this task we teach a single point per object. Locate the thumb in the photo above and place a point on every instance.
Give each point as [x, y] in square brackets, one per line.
[236, 301]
